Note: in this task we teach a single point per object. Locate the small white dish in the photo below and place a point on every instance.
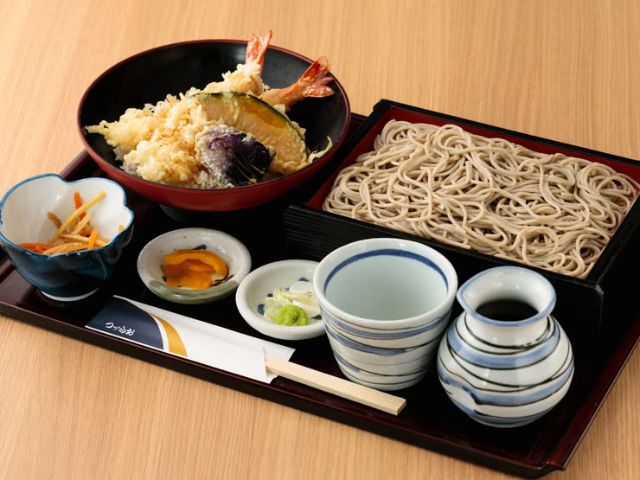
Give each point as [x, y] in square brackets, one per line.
[230, 249]
[253, 290]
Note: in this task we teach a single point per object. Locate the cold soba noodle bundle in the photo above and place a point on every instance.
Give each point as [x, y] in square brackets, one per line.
[486, 194]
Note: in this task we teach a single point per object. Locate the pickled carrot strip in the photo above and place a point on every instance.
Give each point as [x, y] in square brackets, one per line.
[79, 211]
[77, 201]
[55, 219]
[65, 248]
[75, 232]
[81, 224]
[92, 239]
[37, 247]
[100, 242]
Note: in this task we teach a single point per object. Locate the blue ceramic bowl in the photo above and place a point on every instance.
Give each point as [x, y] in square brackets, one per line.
[23, 219]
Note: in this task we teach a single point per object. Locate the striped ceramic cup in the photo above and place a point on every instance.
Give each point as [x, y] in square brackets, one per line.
[385, 303]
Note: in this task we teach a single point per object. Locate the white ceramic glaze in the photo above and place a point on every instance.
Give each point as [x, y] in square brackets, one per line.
[386, 283]
[359, 352]
[406, 338]
[506, 373]
[399, 369]
[389, 378]
[380, 384]
[231, 250]
[252, 291]
[385, 304]
[26, 205]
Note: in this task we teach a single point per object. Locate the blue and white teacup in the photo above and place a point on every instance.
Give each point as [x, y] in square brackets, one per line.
[385, 303]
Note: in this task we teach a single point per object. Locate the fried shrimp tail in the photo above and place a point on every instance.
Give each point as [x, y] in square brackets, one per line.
[256, 48]
[313, 83]
[247, 77]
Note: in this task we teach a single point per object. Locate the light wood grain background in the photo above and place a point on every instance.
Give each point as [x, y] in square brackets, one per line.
[563, 69]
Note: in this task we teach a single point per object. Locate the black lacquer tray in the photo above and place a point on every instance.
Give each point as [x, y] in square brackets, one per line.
[429, 420]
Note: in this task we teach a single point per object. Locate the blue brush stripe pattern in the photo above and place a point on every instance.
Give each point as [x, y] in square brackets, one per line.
[361, 347]
[381, 334]
[384, 251]
[499, 421]
[515, 398]
[350, 366]
[525, 358]
[378, 378]
[464, 372]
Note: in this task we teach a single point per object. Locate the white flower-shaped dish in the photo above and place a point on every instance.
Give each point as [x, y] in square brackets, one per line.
[231, 250]
[263, 281]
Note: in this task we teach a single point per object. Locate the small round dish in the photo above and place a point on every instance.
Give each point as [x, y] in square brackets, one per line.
[262, 282]
[231, 250]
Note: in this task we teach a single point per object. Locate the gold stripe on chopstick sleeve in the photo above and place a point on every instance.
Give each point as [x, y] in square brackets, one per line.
[176, 345]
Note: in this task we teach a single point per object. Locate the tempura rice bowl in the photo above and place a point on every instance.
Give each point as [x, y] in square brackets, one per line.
[149, 76]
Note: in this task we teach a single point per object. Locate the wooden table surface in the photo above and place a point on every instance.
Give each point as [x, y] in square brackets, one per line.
[564, 69]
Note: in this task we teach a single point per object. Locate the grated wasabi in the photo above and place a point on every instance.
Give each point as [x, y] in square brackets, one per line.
[288, 315]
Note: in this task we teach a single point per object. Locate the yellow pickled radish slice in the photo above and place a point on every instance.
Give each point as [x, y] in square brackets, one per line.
[204, 258]
[193, 269]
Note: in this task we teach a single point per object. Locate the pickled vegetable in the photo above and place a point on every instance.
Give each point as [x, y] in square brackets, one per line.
[193, 269]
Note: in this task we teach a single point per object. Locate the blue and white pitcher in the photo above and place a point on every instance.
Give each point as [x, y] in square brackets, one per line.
[505, 361]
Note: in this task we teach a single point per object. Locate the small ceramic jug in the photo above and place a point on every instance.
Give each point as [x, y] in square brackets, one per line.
[505, 361]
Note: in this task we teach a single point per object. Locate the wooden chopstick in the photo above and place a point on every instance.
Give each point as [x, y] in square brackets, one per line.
[337, 386]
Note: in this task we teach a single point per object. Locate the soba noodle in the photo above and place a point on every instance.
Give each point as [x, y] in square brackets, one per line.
[486, 194]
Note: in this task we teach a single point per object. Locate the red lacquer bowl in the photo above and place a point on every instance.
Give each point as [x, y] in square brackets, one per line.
[149, 76]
